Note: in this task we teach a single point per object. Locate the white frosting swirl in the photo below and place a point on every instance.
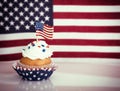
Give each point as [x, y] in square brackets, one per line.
[35, 50]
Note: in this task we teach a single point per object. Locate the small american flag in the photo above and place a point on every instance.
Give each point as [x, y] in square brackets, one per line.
[44, 30]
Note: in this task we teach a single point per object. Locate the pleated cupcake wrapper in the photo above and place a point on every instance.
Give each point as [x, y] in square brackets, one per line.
[34, 74]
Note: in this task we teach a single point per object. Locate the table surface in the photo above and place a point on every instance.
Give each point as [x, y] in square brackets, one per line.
[67, 77]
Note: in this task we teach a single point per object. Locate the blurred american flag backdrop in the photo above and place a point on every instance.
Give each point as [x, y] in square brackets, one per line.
[84, 30]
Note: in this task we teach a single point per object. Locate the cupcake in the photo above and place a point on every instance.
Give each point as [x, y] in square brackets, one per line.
[36, 63]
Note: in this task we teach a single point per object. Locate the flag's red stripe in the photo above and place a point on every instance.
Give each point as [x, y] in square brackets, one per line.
[12, 43]
[17, 56]
[48, 27]
[48, 30]
[43, 33]
[10, 57]
[86, 2]
[86, 55]
[86, 15]
[98, 29]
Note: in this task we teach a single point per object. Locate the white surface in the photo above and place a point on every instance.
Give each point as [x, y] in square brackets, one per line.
[68, 77]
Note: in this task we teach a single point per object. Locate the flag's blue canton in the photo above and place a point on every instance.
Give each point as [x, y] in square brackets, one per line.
[39, 26]
[21, 15]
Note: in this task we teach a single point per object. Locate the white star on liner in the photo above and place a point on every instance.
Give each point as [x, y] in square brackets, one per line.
[22, 22]
[41, 74]
[31, 72]
[23, 74]
[34, 75]
[46, 74]
[11, 13]
[26, 74]
[12, 23]
[31, 13]
[41, 4]
[38, 78]
[17, 27]
[27, 27]
[30, 78]
[32, 22]
[7, 28]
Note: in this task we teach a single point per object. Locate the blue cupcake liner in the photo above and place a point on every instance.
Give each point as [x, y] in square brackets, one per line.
[34, 74]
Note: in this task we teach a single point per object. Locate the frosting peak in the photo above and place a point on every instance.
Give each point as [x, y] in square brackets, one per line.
[37, 50]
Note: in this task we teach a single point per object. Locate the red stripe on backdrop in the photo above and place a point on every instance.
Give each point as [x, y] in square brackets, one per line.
[10, 57]
[87, 2]
[86, 15]
[14, 43]
[86, 55]
[17, 56]
[99, 29]
[84, 42]
[78, 42]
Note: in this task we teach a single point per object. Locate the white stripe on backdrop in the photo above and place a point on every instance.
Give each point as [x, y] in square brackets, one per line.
[64, 35]
[86, 8]
[67, 49]
[86, 22]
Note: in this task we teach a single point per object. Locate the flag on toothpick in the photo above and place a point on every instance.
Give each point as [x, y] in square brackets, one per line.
[44, 30]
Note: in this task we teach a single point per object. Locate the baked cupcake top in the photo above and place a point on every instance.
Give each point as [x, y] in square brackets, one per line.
[37, 50]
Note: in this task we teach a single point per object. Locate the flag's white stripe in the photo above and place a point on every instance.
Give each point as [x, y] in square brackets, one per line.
[87, 22]
[65, 48]
[86, 8]
[63, 35]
